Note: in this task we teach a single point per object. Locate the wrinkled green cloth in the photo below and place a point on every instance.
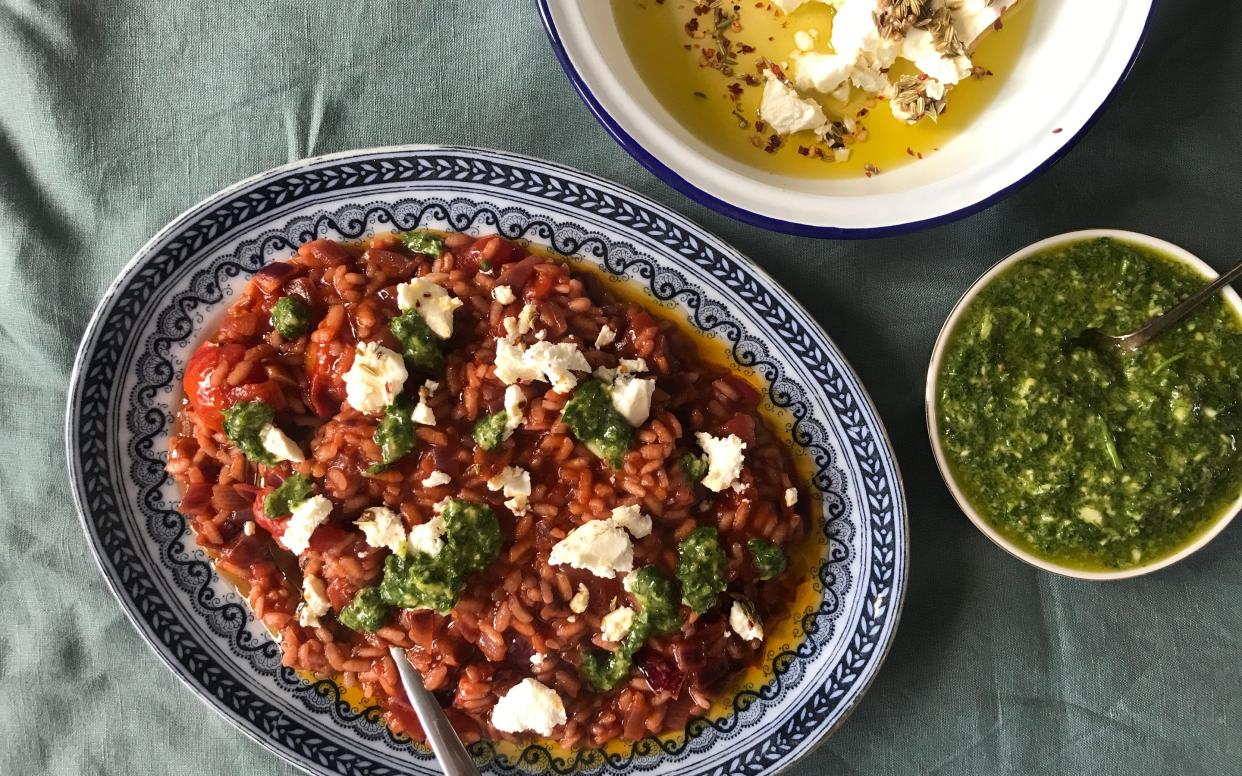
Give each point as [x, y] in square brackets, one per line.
[115, 116]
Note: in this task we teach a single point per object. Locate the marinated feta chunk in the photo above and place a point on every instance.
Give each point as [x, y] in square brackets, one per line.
[428, 537]
[526, 318]
[375, 378]
[383, 527]
[554, 363]
[514, 481]
[791, 496]
[975, 18]
[422, 413]
[515, 409]
[280, 445]
[581, 599]
[432, 301]
[632, 519]
[631, 397]
[503, 294]
[436, 479]
[785, 110]
[724, 460]
[605, 337]
[315, 603]
[304, 518]
[744, 623]
[617, 623]
[601, 547]
[529, 706]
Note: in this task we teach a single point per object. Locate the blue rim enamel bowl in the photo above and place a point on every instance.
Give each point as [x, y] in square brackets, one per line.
[1073, 60]
[125, 391]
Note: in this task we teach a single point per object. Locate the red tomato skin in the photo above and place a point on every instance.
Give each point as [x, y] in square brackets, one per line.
[208, 400]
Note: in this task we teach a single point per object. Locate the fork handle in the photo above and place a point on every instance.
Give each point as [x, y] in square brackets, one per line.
[1174, 315]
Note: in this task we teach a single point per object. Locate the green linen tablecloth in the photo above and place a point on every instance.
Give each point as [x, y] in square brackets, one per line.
[115, 116]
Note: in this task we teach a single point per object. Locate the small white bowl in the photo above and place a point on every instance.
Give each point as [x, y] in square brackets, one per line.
[1074, 58]
[933, 389]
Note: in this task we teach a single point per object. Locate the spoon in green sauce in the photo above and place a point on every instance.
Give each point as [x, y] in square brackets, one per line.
[1124, 344]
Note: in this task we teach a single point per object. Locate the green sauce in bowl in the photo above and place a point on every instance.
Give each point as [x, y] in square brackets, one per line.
[1090, 461]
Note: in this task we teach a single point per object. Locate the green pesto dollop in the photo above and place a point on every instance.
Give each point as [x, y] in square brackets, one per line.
[489, 431]
[700, 568]
[657, 613]
[367, 612]
[768, 558]
[693, 465]
[291, 317]
[594, 422]
[293, 491]
[242, 424]
[471, 542]
[421, 241]
[394, 434]
[419, 344]
[1091, 460]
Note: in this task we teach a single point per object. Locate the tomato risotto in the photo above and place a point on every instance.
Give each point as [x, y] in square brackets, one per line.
[574, 524]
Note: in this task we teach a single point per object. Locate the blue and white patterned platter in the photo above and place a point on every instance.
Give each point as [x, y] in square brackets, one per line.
[125, 390]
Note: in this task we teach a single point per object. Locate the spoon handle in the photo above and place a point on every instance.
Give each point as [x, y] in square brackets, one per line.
[1171, 317]
[448, 748]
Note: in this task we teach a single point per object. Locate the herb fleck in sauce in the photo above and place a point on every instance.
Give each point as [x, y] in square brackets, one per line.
[1090, 460]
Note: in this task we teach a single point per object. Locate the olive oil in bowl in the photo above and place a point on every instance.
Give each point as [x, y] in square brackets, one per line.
[672, 50]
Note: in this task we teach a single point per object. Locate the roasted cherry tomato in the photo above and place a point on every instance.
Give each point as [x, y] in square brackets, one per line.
[490, 253]
[209, 400]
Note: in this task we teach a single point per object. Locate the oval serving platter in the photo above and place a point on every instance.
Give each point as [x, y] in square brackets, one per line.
[124, 392]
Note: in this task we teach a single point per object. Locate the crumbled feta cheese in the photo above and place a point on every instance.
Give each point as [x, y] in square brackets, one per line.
[804, 40]
[503, 294]
[791, 496]
[606, 337]
[382, 527]
[631, 366]
[304, 518]
[529, 706]
[724, 460]
[617, 623]
[632, 519]
[375, 378]
[280, 445]
[787, 112]
[582, 597]
[248, 528]
[602, 547]
[515, 402]
[433, 303]
[515, 482]
[429, 536]
[626, 366]
[422, 413]
[631, 397]
[554, 363]
[436, 479]
[315, 603]
[744, 623]
[526, 318]
[537, 660]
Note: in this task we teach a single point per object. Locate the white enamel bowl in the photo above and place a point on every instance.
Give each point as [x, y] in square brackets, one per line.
[1073, 60]
[933, 390]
